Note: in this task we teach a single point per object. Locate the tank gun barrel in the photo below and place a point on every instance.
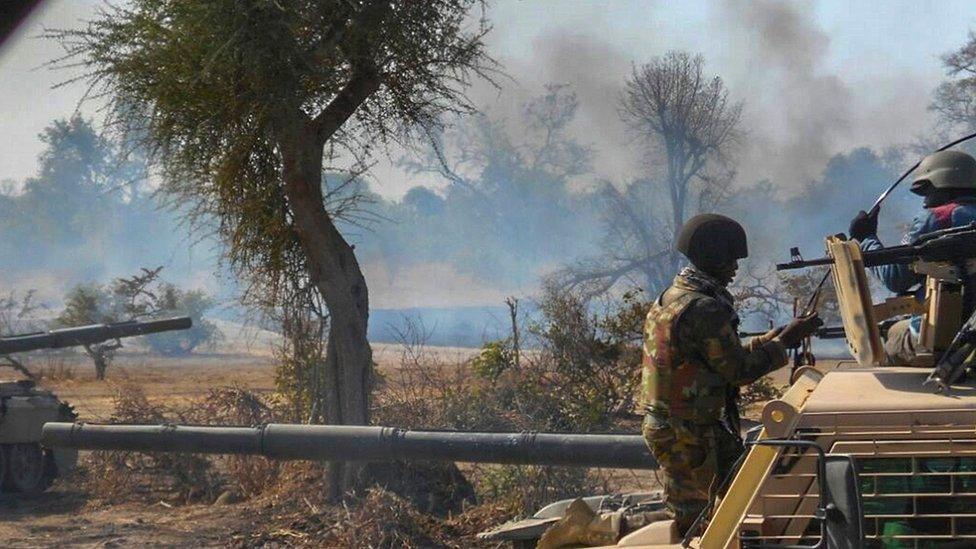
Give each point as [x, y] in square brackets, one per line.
[89, 335]
[359, 443]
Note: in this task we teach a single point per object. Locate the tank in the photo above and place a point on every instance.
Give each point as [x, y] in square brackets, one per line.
[26, 467]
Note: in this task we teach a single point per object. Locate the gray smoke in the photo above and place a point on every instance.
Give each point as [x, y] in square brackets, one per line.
[595, 70]
[800, 111]
[803, 110]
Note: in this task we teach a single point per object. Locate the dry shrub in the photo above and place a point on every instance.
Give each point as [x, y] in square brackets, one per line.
[175, 477]
[521, 489]
[178, 478]
[250, 475]
[425, 391]
[381, 519]
[297, 515]
[434, 488]
[579, 377]
[55, 368]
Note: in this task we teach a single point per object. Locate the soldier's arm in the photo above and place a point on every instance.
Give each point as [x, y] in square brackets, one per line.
[707, 326]
[897, 278]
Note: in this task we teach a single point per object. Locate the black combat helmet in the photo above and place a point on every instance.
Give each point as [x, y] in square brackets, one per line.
[712, 240]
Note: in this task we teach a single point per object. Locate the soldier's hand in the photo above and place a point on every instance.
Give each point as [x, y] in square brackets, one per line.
[864, 225]
[798, 329]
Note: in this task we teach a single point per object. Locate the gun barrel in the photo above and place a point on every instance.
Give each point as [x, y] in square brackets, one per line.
[826, 332]
[359, 443]
[804, 263]
[87, 335]
[953, 244]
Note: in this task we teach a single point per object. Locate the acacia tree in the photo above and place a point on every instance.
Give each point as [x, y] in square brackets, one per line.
[241, 102]
[688, 129]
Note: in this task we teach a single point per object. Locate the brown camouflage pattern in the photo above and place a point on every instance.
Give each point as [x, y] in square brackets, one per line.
[693, 365]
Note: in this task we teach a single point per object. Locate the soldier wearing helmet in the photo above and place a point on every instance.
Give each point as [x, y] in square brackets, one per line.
[694, 363]
[947, 182]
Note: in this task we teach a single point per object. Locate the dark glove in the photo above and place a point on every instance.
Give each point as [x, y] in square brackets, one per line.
[864, 225]
[799, 329]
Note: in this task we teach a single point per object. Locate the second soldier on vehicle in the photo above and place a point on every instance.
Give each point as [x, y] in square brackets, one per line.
[694, 363]
[947, 182]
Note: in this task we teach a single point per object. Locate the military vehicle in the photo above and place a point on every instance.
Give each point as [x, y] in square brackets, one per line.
[26, 467]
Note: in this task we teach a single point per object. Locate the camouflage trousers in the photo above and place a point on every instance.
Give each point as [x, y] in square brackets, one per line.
[695, 460]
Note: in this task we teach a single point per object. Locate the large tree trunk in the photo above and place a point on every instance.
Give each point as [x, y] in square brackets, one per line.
[335, 272]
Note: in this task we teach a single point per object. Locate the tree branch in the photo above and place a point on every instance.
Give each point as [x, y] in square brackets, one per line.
[362, 84]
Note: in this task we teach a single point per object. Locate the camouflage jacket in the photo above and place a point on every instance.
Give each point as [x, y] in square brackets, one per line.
[694, 361]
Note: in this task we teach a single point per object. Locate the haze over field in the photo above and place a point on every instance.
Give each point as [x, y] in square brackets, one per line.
[836, 100]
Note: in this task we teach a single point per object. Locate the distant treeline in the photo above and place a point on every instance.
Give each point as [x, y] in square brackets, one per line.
[505, 205]
[89, 215]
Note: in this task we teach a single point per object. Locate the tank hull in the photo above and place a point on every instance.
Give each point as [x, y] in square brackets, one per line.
[24, 465]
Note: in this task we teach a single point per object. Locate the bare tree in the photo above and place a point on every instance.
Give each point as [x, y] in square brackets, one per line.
[536, 153]
[955, 99]
[635, 244]
[688, 128]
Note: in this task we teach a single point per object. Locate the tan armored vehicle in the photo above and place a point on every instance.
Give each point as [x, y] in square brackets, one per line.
[865, 455]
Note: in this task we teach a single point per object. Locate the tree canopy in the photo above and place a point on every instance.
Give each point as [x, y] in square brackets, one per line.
[214, 87]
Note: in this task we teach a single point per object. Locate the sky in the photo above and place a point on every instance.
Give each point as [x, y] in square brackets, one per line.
[816, 78]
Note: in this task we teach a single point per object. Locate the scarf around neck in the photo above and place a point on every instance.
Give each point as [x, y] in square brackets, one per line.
[696, 280]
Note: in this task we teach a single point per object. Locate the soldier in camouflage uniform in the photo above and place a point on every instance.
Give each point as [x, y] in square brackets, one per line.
[694, 364]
